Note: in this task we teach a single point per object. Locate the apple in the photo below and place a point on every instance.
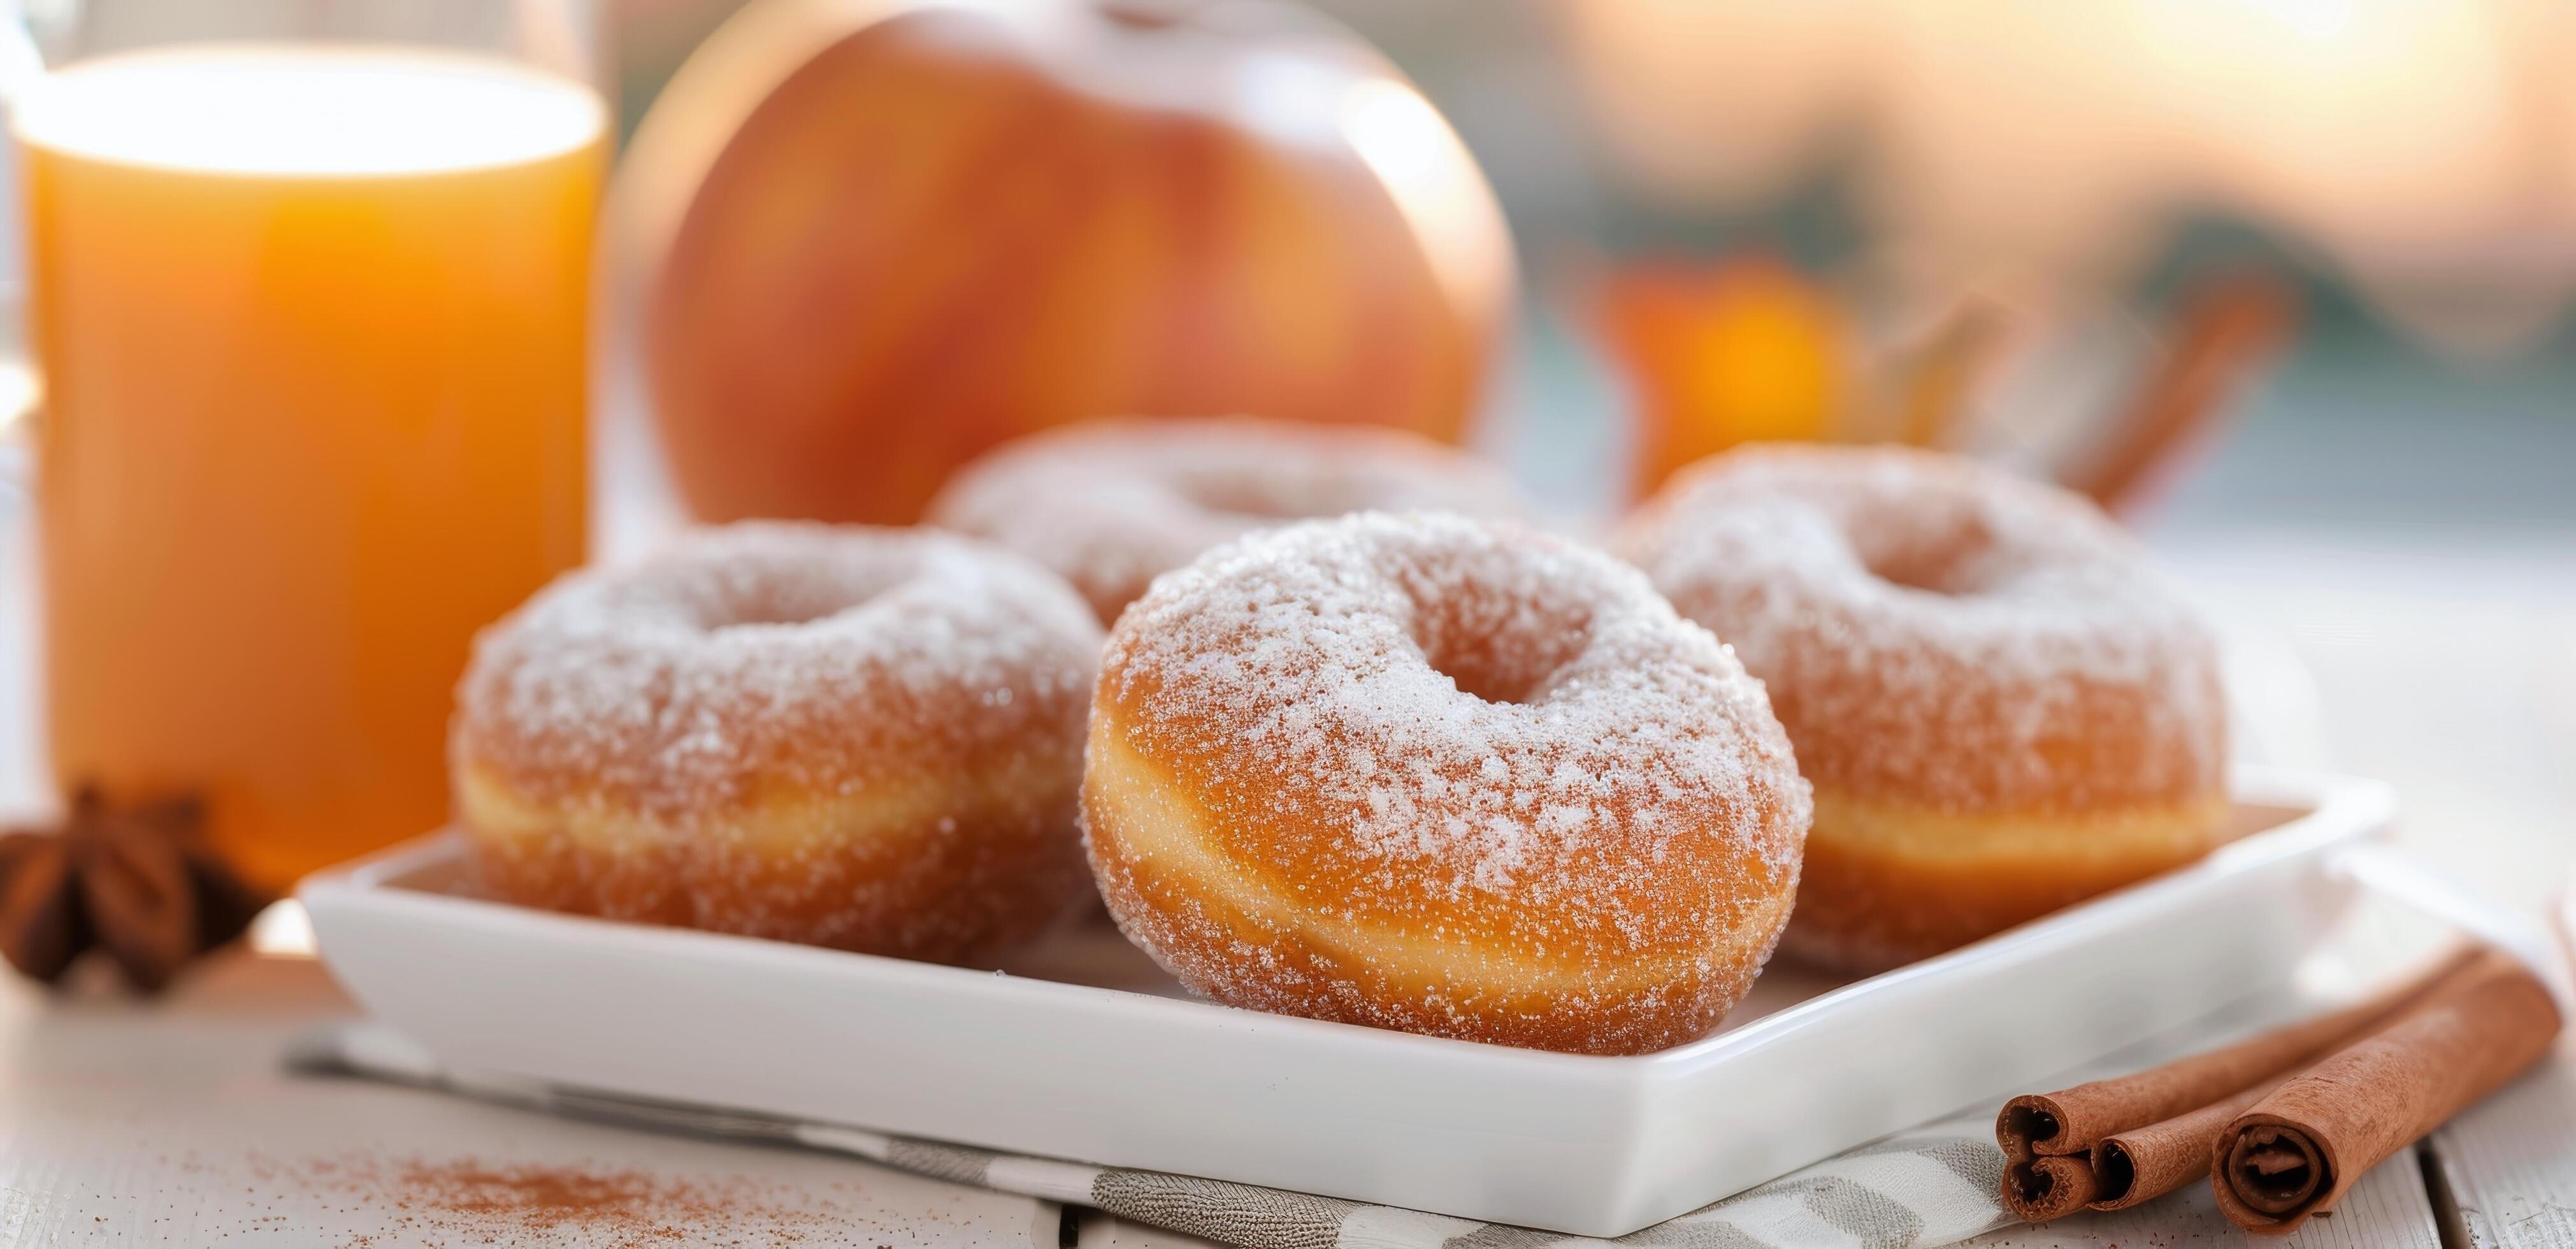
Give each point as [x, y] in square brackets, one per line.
[880, 237]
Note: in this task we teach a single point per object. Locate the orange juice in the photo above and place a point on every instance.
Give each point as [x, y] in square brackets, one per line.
[312, 327]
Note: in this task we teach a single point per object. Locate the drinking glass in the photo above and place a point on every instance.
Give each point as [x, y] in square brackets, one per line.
[308, 292]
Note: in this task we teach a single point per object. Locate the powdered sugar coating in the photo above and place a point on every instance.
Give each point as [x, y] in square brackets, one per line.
[1941, 633]
[1431, 729]
[1110, 504]
[776, 654]
[859, 737]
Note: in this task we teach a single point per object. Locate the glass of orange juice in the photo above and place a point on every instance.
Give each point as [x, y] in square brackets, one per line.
[308, 291]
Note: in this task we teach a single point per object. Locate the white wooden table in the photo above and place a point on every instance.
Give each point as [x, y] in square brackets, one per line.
[124, 1122]
[2439, 653]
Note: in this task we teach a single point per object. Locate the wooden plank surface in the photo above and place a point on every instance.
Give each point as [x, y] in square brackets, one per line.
[2510, 1162]
[169, 1123]
[130, 1122]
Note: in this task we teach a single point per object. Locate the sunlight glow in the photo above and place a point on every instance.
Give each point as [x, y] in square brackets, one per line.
[289, 111]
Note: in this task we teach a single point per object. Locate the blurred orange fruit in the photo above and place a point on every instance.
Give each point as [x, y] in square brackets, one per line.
[882, 237]
[1740, 350]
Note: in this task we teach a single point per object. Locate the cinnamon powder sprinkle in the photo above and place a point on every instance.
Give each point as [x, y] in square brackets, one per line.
[472, 1201]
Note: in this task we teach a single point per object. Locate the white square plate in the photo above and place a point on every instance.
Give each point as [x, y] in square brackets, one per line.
[1080, 1048]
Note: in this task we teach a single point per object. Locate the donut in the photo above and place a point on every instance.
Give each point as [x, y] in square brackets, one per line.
[2004, 708]
[862, 738]
[1443, 775]
[1109, 505]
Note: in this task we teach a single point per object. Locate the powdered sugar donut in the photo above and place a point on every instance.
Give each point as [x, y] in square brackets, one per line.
[1110, 504]
[2003, 707]
[1443, 775]
[863, 738]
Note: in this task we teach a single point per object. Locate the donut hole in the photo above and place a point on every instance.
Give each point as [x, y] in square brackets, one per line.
[1258, 497]
[770, 602]
[1952, 556]
[1499, 652]
[774, 615]
[1491, 673]
[1252, 507]
[1948, 574]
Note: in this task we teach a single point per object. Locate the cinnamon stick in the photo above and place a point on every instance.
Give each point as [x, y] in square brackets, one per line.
[2298, 1150]
[2145, 1163]
[2072, 1120]
[2039, 1189]
[1943, 372]
[2143, 1135]
[2223, 333]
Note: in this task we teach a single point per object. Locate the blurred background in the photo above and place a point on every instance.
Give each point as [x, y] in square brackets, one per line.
[2376, 494]
[2407, 171]
[2285, 283]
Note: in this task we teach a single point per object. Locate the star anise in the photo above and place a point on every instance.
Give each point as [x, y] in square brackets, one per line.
[134, 880]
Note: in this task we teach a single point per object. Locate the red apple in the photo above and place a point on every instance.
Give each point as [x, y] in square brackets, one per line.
[885, 236]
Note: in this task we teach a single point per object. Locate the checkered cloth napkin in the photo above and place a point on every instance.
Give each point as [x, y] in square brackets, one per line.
[1930, 1185]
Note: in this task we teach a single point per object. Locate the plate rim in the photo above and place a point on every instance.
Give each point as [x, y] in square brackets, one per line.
[2331, 807]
